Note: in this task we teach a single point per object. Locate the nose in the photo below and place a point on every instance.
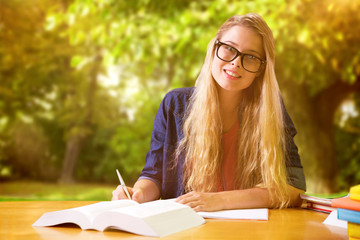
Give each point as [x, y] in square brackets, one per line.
[237, 61]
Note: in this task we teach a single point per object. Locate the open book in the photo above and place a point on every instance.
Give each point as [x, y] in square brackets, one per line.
[157, 218]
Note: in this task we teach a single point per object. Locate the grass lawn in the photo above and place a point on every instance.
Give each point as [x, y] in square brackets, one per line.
[31, 191]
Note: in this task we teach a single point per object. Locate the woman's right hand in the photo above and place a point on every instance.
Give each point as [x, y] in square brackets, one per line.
[135, 194]
[144, 190]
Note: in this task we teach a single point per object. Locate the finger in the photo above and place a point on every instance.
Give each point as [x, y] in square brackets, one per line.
[199, 208]
[131, 191]
[188, 198]
[118, 193]
[182, 197]
[191, 202]
[194, 203]
[138, 195]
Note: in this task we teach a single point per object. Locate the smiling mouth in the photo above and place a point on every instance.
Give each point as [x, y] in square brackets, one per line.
[232, 74]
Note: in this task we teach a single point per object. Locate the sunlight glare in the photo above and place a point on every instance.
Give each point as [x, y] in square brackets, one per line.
[130, 86]
[111, 79]
[348, 110]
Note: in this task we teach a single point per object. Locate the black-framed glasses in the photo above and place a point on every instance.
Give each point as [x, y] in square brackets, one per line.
[228, 53]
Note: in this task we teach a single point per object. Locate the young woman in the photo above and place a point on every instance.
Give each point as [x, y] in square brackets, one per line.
[228, 142]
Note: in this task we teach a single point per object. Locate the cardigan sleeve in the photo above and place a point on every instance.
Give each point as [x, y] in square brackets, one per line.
[167, 132]
[296, 177]
[153, 165]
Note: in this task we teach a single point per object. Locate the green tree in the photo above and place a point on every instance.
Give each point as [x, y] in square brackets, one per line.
[319, 66]
[30, 70]
[347, 139]
[158, 45]
[43, 86]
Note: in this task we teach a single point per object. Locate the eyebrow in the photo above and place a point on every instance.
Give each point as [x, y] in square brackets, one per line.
[248, 50]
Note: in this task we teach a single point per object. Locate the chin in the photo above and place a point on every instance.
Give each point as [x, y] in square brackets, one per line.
[229, 87]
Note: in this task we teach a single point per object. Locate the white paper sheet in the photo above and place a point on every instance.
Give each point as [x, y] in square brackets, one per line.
[334, 221]
[249, 214]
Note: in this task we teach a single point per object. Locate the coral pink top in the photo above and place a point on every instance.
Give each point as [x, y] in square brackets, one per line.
[230, 146]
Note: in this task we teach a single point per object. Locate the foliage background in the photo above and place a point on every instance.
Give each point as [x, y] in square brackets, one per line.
[81, 81]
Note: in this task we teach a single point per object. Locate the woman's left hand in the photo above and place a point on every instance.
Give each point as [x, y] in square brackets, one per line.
[202, 201]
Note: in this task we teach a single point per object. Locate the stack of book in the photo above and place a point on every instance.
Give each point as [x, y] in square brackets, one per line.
[348, 209]
[320, 203]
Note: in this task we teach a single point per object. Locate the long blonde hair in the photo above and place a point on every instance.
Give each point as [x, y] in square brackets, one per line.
[261, 150]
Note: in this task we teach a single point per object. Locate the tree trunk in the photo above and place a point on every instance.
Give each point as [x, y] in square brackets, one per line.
[73, 148]
[313, 117]
[76, 141]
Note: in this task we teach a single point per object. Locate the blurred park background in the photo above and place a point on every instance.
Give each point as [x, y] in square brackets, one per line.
[81, 81]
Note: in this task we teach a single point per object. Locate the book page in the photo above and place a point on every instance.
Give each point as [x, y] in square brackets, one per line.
[156, 218]
[82, 216]
[150, 208]
[92, 210]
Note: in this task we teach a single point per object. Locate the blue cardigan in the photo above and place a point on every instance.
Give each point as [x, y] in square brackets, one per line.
[167, 132]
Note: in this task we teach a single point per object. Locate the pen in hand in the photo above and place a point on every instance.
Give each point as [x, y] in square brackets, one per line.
[122, 183]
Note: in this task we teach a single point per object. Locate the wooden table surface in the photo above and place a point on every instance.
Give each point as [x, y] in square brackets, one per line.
[16, 219]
